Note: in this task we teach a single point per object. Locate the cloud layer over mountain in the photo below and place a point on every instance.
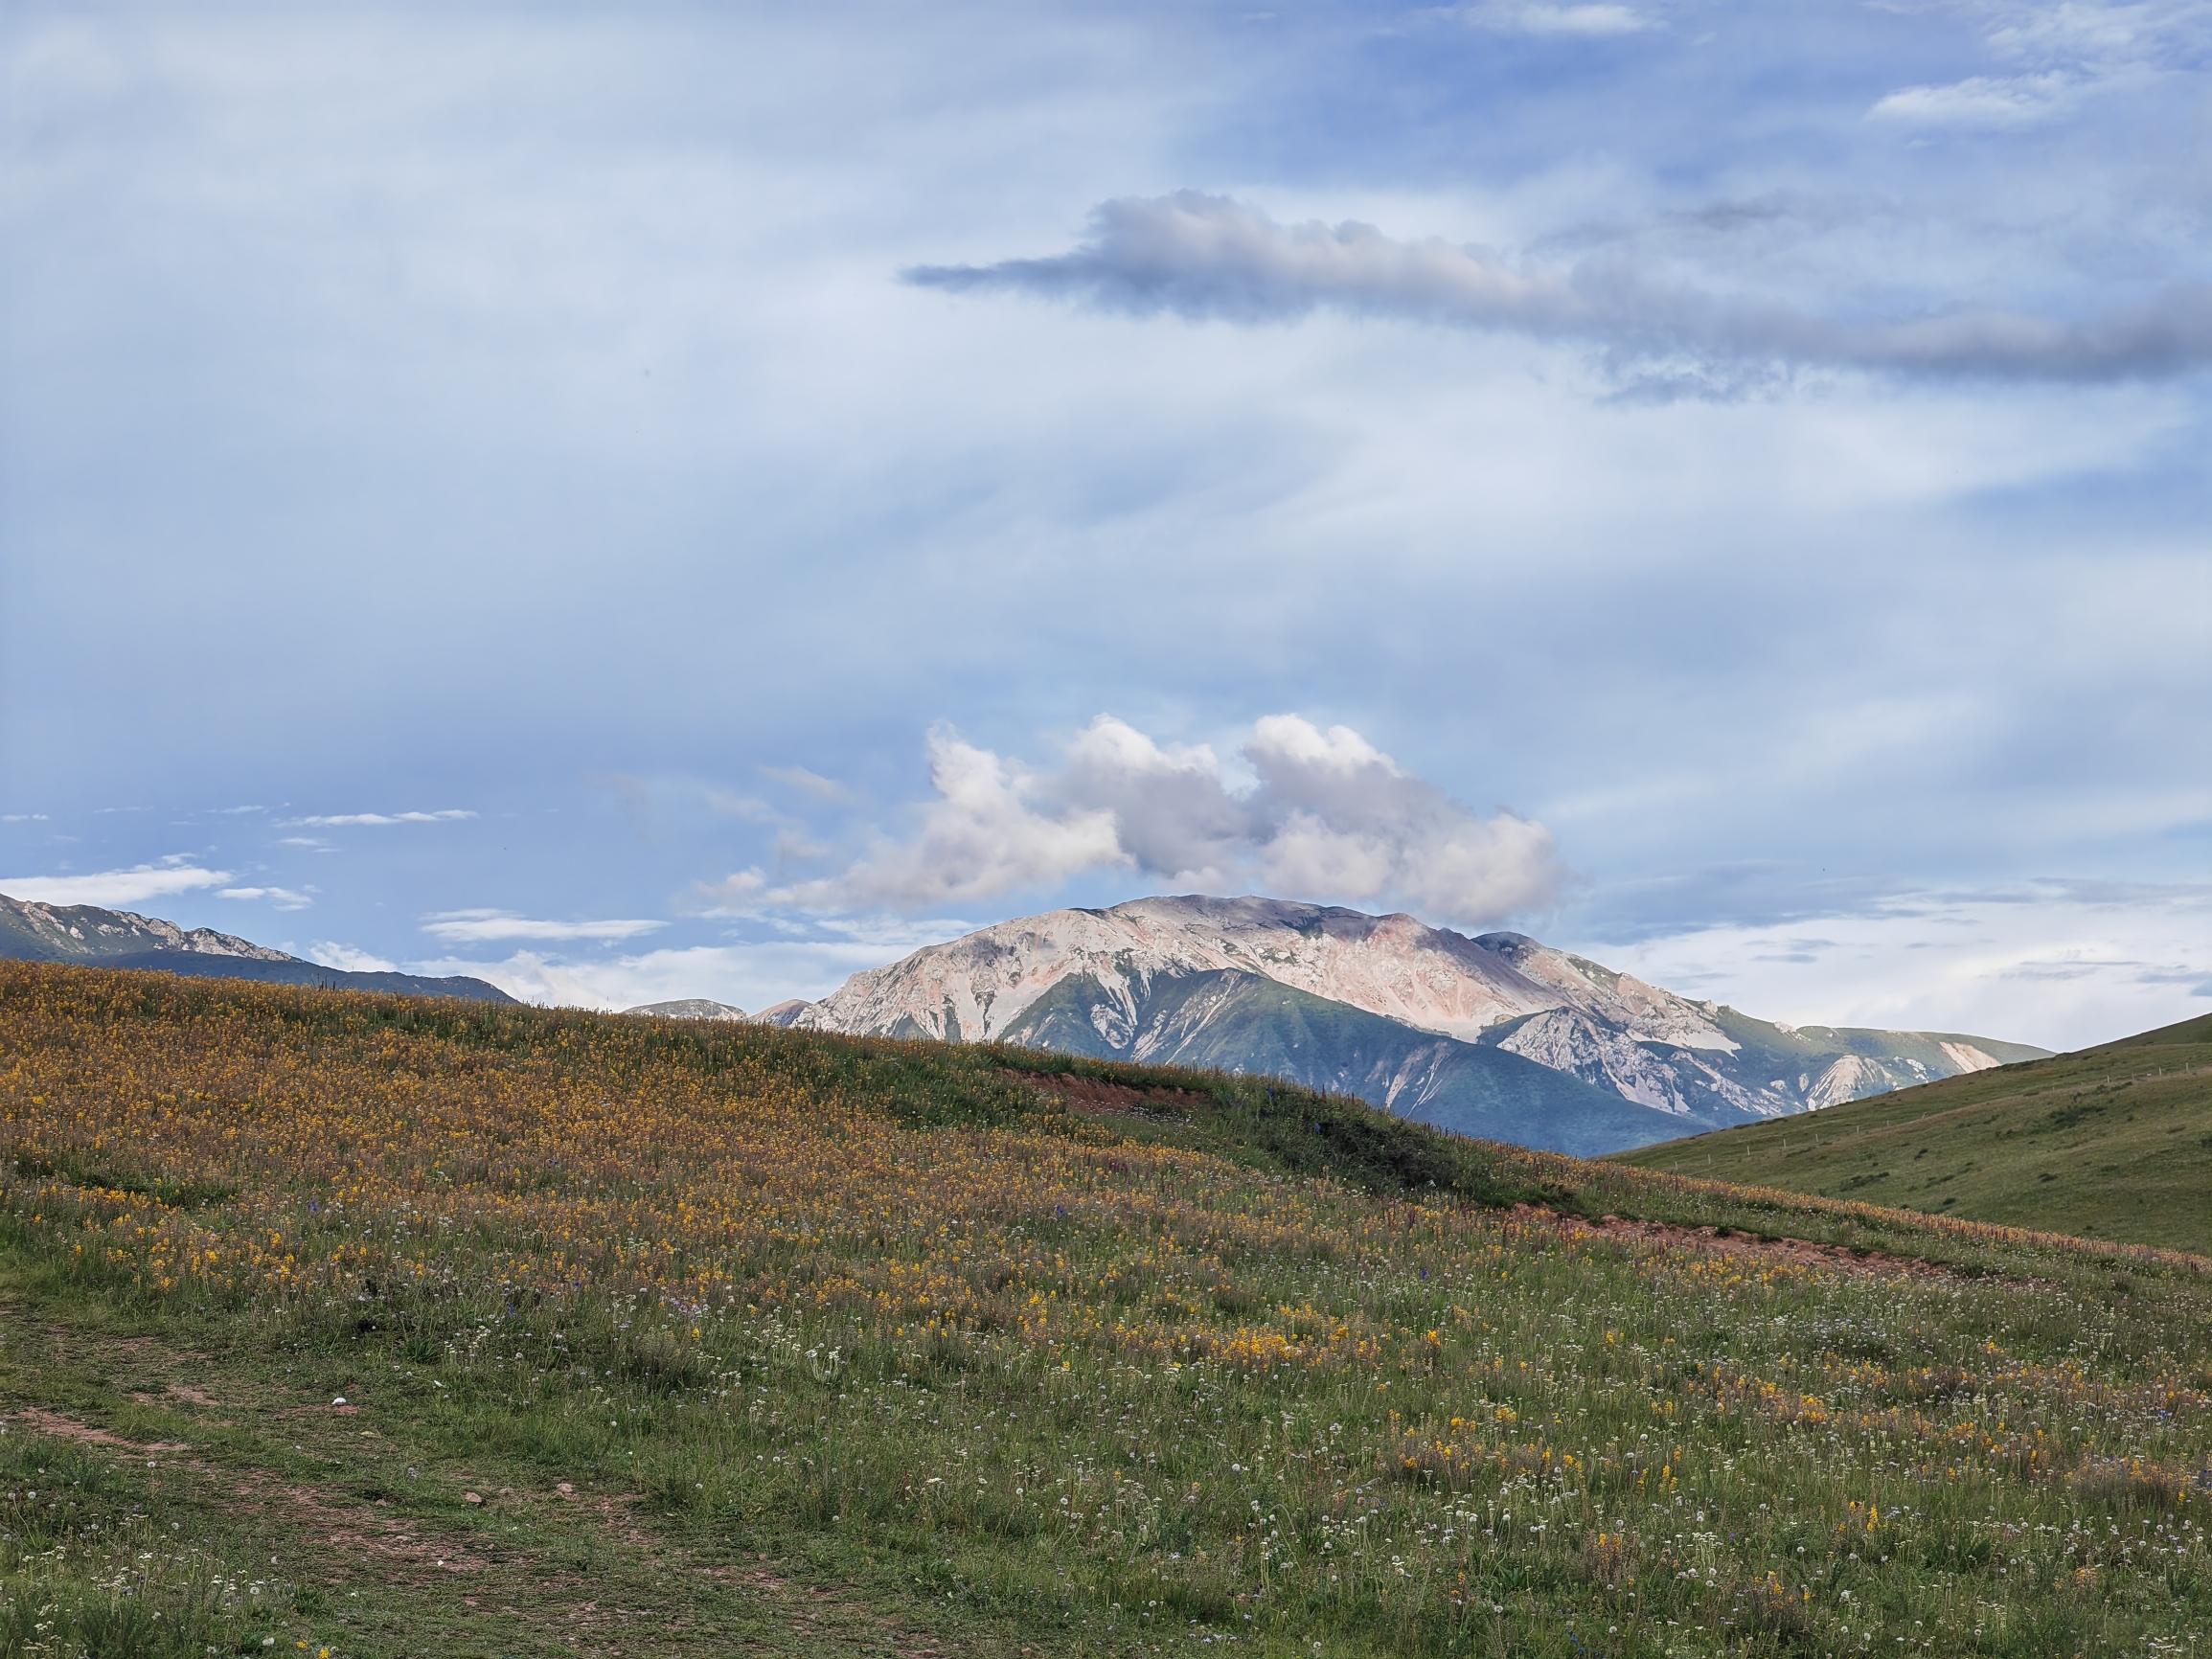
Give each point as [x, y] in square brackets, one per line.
[1330, 816]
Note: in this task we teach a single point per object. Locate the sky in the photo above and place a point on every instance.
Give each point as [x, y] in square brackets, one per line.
[682, 500]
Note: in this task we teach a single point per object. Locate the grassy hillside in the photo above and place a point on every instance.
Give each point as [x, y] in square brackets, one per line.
[363, 1326]
[2110, 1143]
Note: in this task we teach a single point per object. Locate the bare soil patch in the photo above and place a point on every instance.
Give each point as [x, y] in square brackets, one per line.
[1095, 1097]
[84, 1434]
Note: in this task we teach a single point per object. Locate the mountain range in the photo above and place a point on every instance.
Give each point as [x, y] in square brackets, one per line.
[1497, 1035]
[93, 937]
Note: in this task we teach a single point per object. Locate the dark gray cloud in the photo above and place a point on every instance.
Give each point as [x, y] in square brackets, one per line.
[1209, 257]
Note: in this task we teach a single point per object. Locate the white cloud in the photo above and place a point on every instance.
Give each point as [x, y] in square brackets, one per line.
[2065, 55]
[1980, 101]
[1171, 816]
[345, 957]
[337, 820]
[469, 925]
[110, 888]
[1330, 817]
[734, 895]
[747, 976]
[1583, 20]
[2062, 964]
[1348, 823]
[283, 897]
[981, 837]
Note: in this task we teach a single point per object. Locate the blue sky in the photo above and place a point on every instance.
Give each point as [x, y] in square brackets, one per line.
[683, 500]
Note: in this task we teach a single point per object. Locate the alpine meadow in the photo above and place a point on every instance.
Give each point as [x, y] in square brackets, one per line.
[359, 1325]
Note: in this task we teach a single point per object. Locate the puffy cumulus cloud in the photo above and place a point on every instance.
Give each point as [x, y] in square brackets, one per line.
[1202, 257]
[1171, 816]
[985, 834]
[1330, 817]
[110, 888]
[1341, 819]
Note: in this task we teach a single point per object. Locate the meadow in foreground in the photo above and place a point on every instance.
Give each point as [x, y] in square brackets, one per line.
[539, 1332]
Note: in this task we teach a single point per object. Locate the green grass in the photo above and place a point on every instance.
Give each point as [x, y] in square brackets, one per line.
[921, 1361]
[2112, 1142]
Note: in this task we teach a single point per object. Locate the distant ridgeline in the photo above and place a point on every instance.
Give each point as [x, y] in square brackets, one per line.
[1498, 1037]
[93, 937]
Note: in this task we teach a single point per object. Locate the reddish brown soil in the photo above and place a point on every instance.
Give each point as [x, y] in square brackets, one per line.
[1097, 1098]
[63, 1428]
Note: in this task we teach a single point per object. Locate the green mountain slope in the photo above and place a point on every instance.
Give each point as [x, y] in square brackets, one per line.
[2113, 1142]
[1243, 1023]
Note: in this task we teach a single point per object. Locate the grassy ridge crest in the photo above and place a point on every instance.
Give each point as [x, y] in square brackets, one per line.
[2113, 1142]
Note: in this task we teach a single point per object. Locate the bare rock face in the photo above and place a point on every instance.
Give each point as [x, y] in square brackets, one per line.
[976, 987]
[86, 933]
[1641, 1042]
[691, 1008]
[90, 937]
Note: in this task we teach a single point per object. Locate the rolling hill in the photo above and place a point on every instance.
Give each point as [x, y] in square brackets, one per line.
[2113, 1142]
[368, 1326]
[90, 937]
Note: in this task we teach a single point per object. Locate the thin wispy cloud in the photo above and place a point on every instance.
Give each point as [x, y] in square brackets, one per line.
[2061, 57]
[1210, 258]
[339, 820]
[281, 897]
[1330, 817]
[470, 926]
[1587, 20]
[109, 889]
[1980, 100]
[808, 783]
